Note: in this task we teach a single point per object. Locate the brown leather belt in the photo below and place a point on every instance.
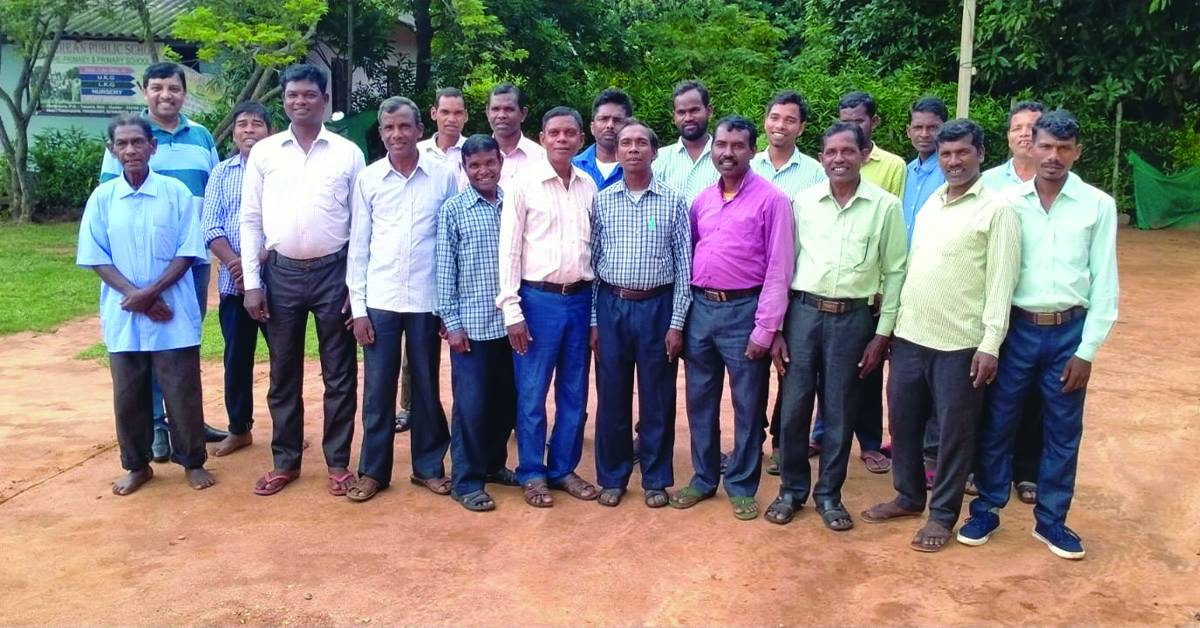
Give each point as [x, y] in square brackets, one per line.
[564, 289]
[829, 306]
[721, 296]
[1050, 319]
[639, 295]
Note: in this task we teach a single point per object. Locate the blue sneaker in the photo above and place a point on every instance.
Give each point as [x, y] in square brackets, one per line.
[1062, 541]
[978, 529]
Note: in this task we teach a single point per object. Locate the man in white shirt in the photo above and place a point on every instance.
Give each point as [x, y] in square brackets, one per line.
[506, 111]
[392, 276]
[449, 113]
[296, 205]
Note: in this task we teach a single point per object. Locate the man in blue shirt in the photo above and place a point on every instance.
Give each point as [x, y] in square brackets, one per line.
[141, 234]
[610, 111]
[924, 175]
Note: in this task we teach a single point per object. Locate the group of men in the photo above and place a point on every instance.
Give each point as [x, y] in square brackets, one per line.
[531, 260]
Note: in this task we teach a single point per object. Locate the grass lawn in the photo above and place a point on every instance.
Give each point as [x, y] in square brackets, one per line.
[212, 345]
[40, 286]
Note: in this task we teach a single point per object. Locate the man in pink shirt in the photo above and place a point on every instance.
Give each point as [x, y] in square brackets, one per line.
[743, 257]
[506, 111]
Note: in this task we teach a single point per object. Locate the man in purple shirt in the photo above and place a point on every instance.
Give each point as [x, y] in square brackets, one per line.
[743, 258]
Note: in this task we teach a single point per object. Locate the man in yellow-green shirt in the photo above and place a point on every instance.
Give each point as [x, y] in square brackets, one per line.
[881, 168]
[962, 269]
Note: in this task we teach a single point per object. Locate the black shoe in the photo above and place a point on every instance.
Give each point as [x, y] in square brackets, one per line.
[160, 451]
[637, 449]
[724, 462]
[503, 477]
[402, 421]
[214, 435]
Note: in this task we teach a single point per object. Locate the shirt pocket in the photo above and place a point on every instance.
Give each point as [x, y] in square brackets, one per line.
[164, 238]
[333, 191]
[857, 252]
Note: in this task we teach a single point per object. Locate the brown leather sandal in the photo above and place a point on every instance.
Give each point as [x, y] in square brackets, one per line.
[537, 494]
[577, 487]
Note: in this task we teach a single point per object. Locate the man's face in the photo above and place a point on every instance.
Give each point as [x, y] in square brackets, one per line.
[164, 96]
[783, 125]
[1054, 157]
[1020, 133]
[842, 158]
[922, 126]
[483, 171]
[132, 148]
[635, 153]
[732, 151]
[450, 115]
[858, 115]
[505, 115]
[960, 161]
[562, 138]
[304, 103]
[691, 115]
[399, 131]
[247, 130]
[606, 123]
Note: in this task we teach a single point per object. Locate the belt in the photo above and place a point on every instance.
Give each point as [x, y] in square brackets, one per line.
[639, 295]
[829, 306]
[564, 289]
[1050, 319]
[722, 296]
[311, 263]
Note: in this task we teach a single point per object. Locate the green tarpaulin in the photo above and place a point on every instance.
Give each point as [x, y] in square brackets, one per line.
[1165, 201]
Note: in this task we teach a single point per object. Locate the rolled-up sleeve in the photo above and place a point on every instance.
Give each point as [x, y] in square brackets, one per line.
[93, 248]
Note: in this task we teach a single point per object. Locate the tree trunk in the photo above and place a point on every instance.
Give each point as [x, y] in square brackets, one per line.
[424, 28]
[24, 197]
[143, 12]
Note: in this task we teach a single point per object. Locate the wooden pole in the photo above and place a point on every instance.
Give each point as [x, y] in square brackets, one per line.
[966, 66]
[1117, 150]
[349, 53]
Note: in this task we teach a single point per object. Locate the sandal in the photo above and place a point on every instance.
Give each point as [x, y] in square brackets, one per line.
[365, 488]
[1027, 492]
[925, 540]
[744, 508]
[656, 498]
[970, 488]
[876, 462]
[688, 497]
[835, 516]
[475, 501]
[340, 484]
[611, 497]
[272, 483]
[886, 512]
[577, 487]
[537, 494]
[773, 466]
[781, 511]
[503, 477]
[439, 486]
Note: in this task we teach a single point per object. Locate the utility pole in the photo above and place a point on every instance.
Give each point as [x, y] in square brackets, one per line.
[966, 66]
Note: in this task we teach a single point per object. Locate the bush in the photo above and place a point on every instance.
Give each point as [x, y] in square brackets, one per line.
[5, 176]
[68, 169]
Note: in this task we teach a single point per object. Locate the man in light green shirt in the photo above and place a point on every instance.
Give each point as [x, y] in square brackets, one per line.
[881, 168]
[850, 240]
[1064, 307]
[962, 269]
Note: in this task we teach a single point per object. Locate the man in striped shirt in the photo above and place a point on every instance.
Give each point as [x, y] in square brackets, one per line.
[687, 166]
[782, 163]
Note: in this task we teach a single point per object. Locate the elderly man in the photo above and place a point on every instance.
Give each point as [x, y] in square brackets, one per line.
[610, 111]
[687, 165]
[506, 111]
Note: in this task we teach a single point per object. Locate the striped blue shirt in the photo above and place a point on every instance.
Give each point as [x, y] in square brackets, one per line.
[674, 167]
[223, 211]
[800, 172]
[468, 265]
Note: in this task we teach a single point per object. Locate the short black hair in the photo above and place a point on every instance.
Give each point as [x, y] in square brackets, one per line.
[860, 138]
[687, 86]
[858, 99]
[480, 143]
[613, 96]
[739, 123]
[447, 92]
[559, 112]
[1060, 123]
[508, 88]
[162, 70]
[304, 72]
[1025, 105]
[929, 104]
[791, 98]
[254, 108]
[955, 130]
[129, 119]
[396, 103]
[635, 122]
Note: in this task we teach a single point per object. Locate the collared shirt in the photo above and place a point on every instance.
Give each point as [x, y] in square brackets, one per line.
[526, 154]
[297, 203]
[141, 232]
[920, 181]
[845, 252]
[545, 233]
[800, 172]
[468, 259]
[586, 161]
[451, 158]
[962, 269]
[1002, 177]
[746, 242]
[223, 211]
[392, 261]
[643, 243]
[885, 170]
[675, 167]
[1069, 257]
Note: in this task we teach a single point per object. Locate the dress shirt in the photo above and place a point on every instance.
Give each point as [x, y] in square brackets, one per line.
[845, 252]
[222, 212]
[800, 172]
[392, 261]
[1002, 177]
[962, 269]
[586, 161]
[526, 154]
[1069, 257]
[675, 167]
[746, 242]
[644, 242]
[920, 181]
[885, 170]
[545, 233]
[294, 203]
[141, 232]
[451, 158]
[468, 258]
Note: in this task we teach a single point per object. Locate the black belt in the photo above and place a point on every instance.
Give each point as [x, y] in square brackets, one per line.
[312, 263]
[638, 295]
[830, 306]
[1050, 319]
[721, 296]
[565, 289]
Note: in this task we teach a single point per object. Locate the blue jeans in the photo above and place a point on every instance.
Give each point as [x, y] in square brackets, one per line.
[1032, 357]
[200, 277]
[485, 409]
[559, 350]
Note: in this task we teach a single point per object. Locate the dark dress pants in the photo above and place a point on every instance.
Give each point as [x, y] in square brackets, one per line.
[241, 340]
[484, 412]
[178, 374]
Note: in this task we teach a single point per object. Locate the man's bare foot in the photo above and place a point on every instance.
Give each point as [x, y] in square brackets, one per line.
[232, 443]
[132, 481]
[199, 478]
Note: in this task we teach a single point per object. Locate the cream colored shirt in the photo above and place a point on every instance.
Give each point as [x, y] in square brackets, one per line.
[545, 233]
[844, 252]
[451, 158]
[526, 154]
[885, 170]
[962, 269]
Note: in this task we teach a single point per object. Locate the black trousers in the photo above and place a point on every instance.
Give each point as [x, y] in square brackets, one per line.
[484, 412]
[241, 339]
[295, 289]
[178, 374]
[1027, 453]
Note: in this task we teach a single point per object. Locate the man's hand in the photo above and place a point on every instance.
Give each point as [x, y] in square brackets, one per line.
[674, 342]
[594, 342]
[459, 343]
[234, 266]
[983, 368]
[779, 353]
[519, 337]
[442, 333]
[160, 312]
[873, 355]
[364, 332]
[350, 317]
[255, 303]
[755, 351]
[263, 254]
[139, 300]
[1076, 375]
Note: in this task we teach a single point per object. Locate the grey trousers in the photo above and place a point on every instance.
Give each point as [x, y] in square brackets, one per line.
[178, 374]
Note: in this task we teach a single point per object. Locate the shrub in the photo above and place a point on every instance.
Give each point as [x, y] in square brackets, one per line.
[68, 168]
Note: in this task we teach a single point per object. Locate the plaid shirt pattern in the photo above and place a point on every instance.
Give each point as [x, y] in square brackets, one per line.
[223, 212]
[468, 265]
